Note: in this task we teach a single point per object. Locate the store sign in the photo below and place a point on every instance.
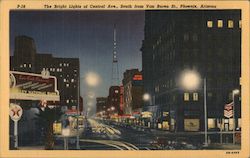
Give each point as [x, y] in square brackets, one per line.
[137, 77]
[15, 112]
[165, 114]
[57, 128]
[146, 114]
[30, 86]
[191, 124]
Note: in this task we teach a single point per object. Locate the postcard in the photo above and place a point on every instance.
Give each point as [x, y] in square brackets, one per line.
[124, 79]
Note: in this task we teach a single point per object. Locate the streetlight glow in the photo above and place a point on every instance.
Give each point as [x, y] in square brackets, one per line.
[236, 91]
[146, 97]
[190, 80]
[92, 79]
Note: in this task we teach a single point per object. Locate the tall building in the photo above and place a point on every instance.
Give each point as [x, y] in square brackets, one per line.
[66, 70]
[208, 42]
[133, 91]
[114, 100]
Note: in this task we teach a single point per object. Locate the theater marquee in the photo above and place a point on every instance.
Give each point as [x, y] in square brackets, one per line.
[30, 86]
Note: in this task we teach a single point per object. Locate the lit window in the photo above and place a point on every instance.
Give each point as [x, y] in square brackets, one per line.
[209, 94]
[220, 23]
[209, 24]
[230, 23]
[57, 69]
[240, 24]
[67, 85]
[64, 64]
[54, 69]
[30, 65]
[72, 80]
[60, 64]
[21, 65]
[195, 96]
[186, 96]
[67, 101]
[50, 69]
[24, 65]
[67, 64]
[64, 80]
[116, 91]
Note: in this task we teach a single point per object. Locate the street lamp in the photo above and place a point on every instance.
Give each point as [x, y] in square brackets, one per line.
[234, 92]
[190, 80]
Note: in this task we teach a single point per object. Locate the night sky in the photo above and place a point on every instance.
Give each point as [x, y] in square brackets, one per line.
[87, 35]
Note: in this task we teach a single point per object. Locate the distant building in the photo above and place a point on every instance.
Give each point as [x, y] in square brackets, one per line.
[114, 100]
[133, 91]
[101, 104]
[208, 42]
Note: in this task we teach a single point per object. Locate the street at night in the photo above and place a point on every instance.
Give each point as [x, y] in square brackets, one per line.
[127, 80]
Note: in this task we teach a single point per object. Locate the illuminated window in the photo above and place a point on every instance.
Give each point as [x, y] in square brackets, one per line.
[210, 24]
[240, 24]
[186, 96]
[60, 64]
[72, 80]
[220, 23]
[67, 85]
[30, 65]
[209, 94]
[24, 65]
[64, 80]
[21, 65]
[195, 96]
[230, 24]
[57, 69]
[67, 101]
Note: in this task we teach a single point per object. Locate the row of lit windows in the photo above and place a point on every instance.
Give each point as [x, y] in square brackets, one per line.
[187, 97]
[72, 101]
[66, 80]
[230, 23]
[64, 64]
[55, 69]
[25, 65]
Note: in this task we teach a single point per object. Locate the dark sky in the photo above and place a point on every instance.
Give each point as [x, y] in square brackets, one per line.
[87, 35]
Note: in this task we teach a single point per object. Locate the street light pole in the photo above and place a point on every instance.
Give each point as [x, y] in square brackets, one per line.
[205, 110]
[236, 91]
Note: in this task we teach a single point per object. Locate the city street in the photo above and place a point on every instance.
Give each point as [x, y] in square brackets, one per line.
[107, 135]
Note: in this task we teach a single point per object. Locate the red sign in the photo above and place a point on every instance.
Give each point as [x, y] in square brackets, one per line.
[137, 77]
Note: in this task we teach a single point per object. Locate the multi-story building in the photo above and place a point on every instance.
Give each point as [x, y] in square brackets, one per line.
[113, 102]
[101, 104]
[66, 70]
[133, 91]
[208, 42]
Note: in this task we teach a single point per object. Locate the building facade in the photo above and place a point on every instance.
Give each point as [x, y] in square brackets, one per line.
[101, 104]
[207, 42]
[133, 91]
[66, 70]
